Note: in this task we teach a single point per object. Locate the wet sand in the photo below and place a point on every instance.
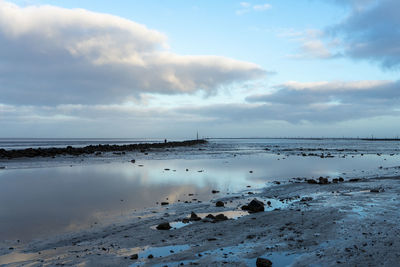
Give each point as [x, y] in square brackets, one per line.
[333, 224]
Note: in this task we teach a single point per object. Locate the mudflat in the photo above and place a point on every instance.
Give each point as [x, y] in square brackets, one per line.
[350, 223]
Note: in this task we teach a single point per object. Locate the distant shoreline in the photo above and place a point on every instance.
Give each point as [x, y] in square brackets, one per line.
[91, 149]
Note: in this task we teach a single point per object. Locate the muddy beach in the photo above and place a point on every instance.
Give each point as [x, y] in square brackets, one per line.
[347, 223]
[210, 204]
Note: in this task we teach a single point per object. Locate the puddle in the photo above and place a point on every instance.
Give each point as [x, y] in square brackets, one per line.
[17, 257]
[157, 252]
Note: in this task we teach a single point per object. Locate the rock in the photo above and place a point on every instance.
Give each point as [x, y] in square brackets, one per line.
[210, 216]
[262, 262]
[254, 206]
[377, 190]
[220, 217]
[164, 203]
[354, 180]
[164, 226]
[134, 257]
[214, 191]
[323, 180]
[335, 180]
[194, 217]
[219, 204]
[341, 179]
[133, 161]
[150, 256]
[305, 199]
[312, 181]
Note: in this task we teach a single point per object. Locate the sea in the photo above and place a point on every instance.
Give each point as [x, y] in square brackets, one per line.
[41, 197]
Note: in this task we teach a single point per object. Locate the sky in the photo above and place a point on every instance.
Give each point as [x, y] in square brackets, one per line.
[170, 68]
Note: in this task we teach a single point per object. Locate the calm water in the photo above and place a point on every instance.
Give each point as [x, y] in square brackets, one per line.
[41, 197]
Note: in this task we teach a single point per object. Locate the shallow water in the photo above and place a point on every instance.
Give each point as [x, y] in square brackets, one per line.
[41, 197]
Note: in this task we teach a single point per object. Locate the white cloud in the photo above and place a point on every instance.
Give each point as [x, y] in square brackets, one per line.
[311, 44]
[262, 7]
[52, 55]
[247, 7]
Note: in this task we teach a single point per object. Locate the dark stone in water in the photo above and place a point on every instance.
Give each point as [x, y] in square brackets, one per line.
[312, 181]
[150, 256]
[220, 217]
[323, 180]
[194, 217]
[164, 203]
[305, 199]
[134, 257]
[219, 204]
[261, 262]
[254, 206]
[133, 161]
[210, 216]
[377, 190]
[164, 226]
[214, 191]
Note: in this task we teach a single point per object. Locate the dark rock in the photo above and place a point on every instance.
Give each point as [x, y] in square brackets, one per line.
[377, 190]
[261, 262]
[312, 181]
[214, 191]
[304, 199]
[194, 217]
[164, 226]
[341, 179]
[210, 216]
[254, 206]
[133, 161]
[220, 217]
[323, 180]
[219, 204]
[150, 256]
[134, 257]
[164, 203]
[354, 180]
[335, 180]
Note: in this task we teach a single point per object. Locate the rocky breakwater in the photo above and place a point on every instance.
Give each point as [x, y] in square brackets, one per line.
[92, 149]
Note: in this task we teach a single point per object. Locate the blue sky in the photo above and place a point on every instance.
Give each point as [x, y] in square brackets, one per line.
[225, 68]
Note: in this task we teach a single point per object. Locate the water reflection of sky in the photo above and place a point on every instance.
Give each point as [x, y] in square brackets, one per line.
[41, 201]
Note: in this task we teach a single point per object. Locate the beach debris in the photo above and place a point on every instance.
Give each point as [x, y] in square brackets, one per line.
[254, 206]
[214, 191]
[219, 204]
[377, 190]
[164, 226]
[262, 262]
[194, 217]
